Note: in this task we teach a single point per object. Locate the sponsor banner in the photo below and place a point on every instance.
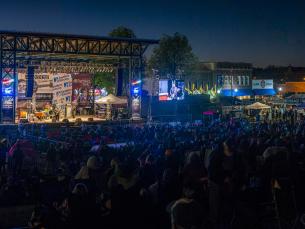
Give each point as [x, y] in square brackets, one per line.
[42, 84]
[8, 109]
[8, 85]
[81, 85]
[62, 90]
[262, 84]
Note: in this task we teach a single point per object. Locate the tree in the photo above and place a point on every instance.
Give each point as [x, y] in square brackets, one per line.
[173, 56]
[122, 32]
[105, 80]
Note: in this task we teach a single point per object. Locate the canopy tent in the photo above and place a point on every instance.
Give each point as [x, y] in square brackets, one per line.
[111, 99]
[296, 96]
[257, 106]
[276, 101]
[295, 99]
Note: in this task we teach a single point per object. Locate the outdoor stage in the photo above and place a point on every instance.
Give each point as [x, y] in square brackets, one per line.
[84, 118]
[41, 70]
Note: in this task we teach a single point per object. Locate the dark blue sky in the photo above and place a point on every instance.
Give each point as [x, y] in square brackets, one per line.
[261, 32]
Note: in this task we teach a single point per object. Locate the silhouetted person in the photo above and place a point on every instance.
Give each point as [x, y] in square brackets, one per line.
[18, 158]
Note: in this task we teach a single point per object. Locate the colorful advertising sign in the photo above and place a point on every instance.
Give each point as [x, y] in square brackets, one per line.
[7, 86]
[262, 84]
[42, 84]
[81, 85]
[62, 90]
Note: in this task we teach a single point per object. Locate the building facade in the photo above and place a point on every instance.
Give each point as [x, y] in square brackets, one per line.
[230, 78]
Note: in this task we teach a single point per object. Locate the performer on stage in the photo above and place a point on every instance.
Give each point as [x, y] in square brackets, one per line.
[174, 91]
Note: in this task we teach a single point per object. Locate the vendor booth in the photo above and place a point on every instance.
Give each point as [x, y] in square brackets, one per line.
[107, 106]
[257, 106]
[259, 110]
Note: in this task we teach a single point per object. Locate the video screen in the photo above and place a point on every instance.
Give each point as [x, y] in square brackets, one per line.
[171, 90]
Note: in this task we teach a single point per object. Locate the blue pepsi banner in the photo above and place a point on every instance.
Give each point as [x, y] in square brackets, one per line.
[7, 108]
[7, 86]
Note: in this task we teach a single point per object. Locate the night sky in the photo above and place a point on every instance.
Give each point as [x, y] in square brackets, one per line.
[260, 32]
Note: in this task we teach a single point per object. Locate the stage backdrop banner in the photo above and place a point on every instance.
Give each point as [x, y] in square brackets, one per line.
[42, 84]
[62, 90]
[82, 83]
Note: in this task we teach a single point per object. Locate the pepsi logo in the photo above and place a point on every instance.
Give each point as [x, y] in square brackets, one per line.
[263, 84]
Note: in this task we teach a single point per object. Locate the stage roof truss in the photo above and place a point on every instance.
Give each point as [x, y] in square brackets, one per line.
[70, 44]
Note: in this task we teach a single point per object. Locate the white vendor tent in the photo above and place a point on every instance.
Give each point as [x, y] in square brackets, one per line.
[111, 99]
[257, 106]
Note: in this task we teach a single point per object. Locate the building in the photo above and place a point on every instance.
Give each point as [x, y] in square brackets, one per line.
[280, 75]
[263, 87]
[224, 78]
[286, 80]
[231, 79]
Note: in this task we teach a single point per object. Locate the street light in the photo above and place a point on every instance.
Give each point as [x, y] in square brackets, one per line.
[280, 89]
[235, 90]
[218, 91]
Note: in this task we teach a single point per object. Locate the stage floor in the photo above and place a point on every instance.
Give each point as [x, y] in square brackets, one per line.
[84, 118]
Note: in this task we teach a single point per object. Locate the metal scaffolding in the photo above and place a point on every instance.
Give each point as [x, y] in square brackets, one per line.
[62, 53]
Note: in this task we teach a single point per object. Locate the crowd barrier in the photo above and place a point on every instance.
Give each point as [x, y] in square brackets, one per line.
[171, 118]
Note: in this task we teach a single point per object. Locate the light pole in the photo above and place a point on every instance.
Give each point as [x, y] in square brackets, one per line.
[154, 77]
[232, 89]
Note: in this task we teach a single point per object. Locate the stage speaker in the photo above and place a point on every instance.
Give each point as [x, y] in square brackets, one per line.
[30, 82]
[120, 73]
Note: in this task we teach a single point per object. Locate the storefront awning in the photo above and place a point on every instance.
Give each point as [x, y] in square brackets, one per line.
[239, 92]
[264, 92]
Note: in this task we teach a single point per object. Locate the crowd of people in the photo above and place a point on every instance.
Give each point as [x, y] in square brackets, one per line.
[217, 174]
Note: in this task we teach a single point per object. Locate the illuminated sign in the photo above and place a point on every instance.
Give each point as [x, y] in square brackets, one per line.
[7, 81]
[8, 91]
[136, 82]
[262, 84]
[136, 90]
[8, 102]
